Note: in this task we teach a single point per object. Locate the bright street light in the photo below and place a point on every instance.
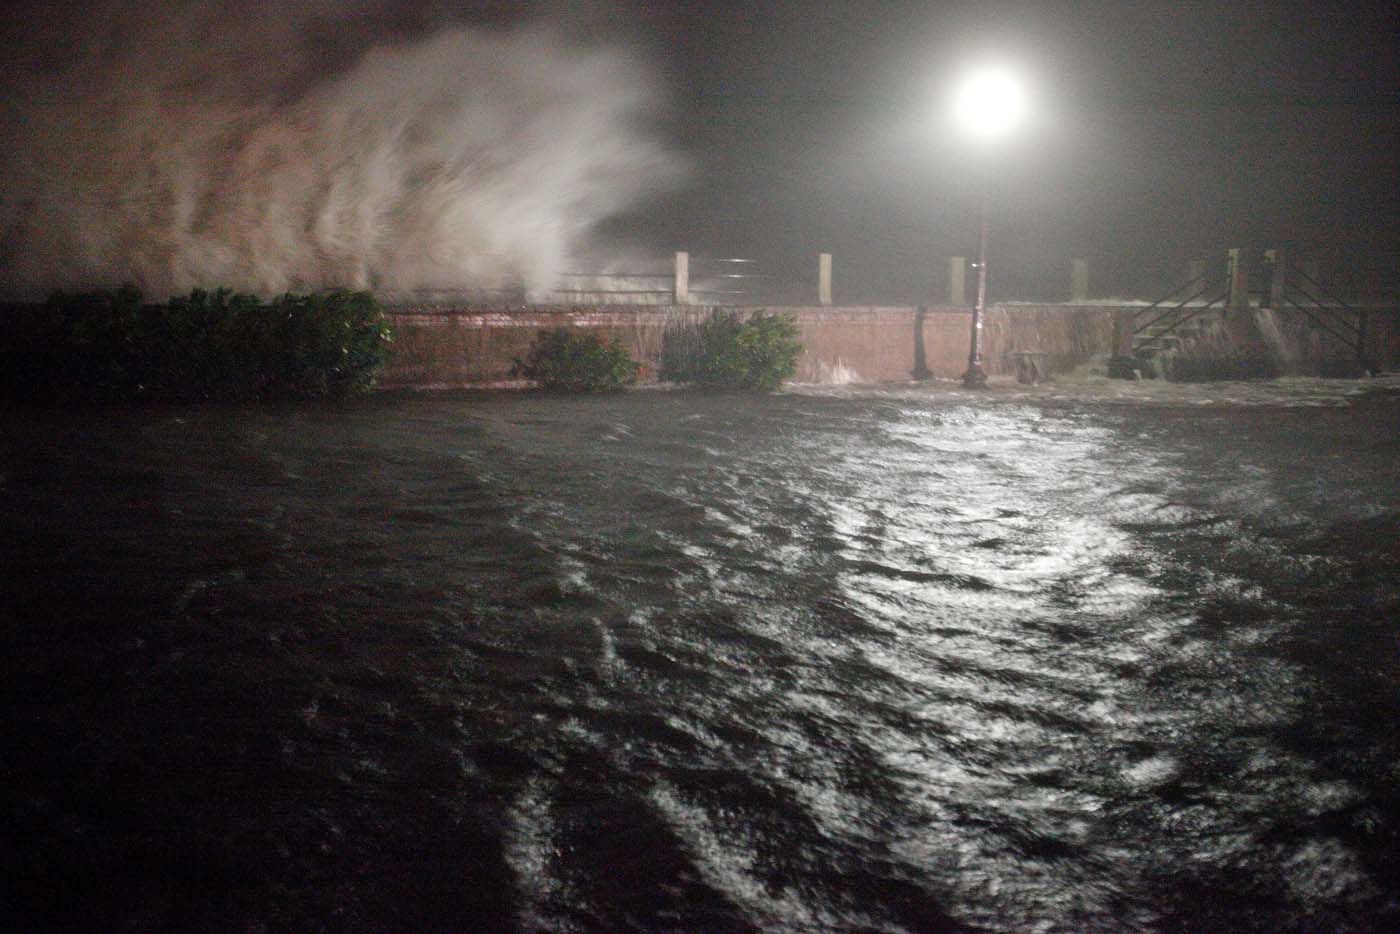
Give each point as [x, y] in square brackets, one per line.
[987, 105]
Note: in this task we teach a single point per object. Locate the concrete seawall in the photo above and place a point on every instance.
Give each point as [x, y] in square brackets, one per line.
[449, 347]
[459, 346]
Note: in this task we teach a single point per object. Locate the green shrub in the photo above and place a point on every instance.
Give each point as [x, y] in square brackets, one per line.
[108, 346]
[727, 352]
[327, 345]
[565, 360]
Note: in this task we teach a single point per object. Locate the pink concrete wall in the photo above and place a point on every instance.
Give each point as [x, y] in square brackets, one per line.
[453, 347]
[856, 344]
[437, 347]
[877, 344]
[1069, 335]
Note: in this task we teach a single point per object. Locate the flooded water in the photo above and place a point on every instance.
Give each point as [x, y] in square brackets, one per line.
[1107, 657]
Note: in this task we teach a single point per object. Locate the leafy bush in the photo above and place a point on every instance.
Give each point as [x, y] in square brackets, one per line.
[325, 345]
[107, 346]
[726, 352]
[565, 360]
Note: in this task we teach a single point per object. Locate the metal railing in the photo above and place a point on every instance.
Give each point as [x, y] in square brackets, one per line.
[705, 281]
[724, 281]
[746, 280]
[606, 288]
[1165, 317]
[1328, 313]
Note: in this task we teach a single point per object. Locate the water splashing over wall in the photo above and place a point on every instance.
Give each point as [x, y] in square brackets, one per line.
[1278, 344]
[310, 147]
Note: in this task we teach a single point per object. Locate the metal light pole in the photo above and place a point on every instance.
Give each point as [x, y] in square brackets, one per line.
[976, 377]
[988, 105]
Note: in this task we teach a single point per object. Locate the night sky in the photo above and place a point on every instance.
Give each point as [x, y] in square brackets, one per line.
[1161, 132]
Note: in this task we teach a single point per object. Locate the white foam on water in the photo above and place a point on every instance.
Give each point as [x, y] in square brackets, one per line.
[1152, 771]
[1322, 797]
[1285, 392]
[530, 849]
[1326, 869]
[573, 575]
[729, 867]
[608, 660]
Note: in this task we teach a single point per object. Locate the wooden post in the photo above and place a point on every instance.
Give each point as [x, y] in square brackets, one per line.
[682, 290]
[957, 280]
[824, 279]
[1079, 280]
[1237, 265]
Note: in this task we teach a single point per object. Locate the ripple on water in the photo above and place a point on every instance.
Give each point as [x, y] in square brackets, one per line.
[888, 659]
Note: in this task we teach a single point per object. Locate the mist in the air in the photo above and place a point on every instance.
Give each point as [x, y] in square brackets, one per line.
[312, 145]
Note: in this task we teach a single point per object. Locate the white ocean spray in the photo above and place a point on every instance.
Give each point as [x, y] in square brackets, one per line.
[211, 144]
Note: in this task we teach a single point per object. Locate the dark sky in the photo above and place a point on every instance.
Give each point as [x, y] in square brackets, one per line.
[1163, 131]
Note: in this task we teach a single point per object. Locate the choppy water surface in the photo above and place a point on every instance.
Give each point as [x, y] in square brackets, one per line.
[875, 659]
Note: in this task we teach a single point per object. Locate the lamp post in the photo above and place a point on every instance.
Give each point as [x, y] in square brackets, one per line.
[976, 377]
[987, 105]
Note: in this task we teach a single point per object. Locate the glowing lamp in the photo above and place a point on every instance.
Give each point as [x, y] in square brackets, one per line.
[989, 103]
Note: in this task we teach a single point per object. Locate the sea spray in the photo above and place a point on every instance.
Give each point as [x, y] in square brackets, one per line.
[305, 150]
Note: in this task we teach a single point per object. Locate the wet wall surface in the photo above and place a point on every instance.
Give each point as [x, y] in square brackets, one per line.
[445, 347]
[1115, 658]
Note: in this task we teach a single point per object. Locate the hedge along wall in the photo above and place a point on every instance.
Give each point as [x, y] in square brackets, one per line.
[442, 347]
[439, 348]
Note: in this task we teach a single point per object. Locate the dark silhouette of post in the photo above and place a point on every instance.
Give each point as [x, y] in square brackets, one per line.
[976, 377]
[921, 370]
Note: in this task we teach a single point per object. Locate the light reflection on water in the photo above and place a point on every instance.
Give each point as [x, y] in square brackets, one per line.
[1079, 656]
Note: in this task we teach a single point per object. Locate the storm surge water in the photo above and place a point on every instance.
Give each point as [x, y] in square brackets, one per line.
[854, 659]
[307, 145]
